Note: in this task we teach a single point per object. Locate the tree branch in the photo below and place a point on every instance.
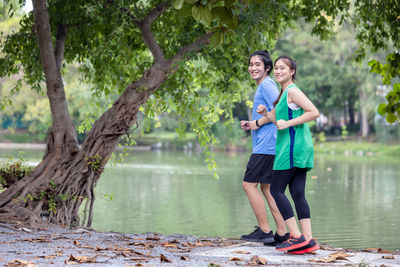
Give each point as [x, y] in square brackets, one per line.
[195, 46]
[147, 34]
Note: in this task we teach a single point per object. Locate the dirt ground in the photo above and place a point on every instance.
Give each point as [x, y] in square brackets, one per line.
[57, 246]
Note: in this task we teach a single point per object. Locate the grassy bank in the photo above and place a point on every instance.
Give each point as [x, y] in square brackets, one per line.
[358, 148]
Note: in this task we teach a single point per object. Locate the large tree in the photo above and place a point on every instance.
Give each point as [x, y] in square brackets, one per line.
[156, 55]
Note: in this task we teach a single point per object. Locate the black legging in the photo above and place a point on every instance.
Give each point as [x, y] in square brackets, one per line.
[296, 179]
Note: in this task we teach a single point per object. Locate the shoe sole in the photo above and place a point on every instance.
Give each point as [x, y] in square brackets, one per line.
[307, 250]
[265, 240]
[302, 244]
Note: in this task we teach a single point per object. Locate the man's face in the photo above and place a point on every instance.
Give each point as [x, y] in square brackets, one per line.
[256, 69]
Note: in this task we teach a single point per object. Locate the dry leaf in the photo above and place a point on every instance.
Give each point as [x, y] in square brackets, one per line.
[154, 238]
[389, 257]
[235, 259]
[37, 240]
[76, 243]
[169, 245]
[314, 177]
[20, 263]
[241, 252]
[256, 260]
[184, 258]
[333, 257]
[81, 259]
[384, 251]
[164, 259]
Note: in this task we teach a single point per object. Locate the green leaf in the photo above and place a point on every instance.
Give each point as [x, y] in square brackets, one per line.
[186, 10]
[229, 3]
[391, 118]
[177, 4]
[191, 1]
[382, 109]
[202, 14]
[216, 39]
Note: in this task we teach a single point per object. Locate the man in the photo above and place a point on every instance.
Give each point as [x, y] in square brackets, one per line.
[259, 166]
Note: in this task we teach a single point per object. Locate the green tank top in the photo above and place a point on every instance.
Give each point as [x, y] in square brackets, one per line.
[294, 147]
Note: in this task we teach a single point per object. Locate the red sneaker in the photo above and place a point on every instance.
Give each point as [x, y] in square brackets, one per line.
[310, 247]
[292, 243]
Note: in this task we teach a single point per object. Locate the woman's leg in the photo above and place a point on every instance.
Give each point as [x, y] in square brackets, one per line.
[279, 183]
[297, 190]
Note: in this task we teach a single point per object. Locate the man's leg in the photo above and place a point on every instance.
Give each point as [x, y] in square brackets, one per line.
[280, 223]
[257, 204]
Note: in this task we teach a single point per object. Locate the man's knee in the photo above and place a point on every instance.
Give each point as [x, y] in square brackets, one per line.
[249, 186]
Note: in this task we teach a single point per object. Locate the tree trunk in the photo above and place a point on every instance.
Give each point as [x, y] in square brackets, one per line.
[364, 115]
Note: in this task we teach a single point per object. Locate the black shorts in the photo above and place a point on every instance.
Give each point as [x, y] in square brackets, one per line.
[259, 169]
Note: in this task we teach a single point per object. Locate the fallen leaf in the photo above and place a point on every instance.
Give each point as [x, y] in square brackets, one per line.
[384, 251]
[256, 260]
[37, 240]
[370, 249]
[154, 238]
[389, 257]
[164, 259]
[314, 177]
[184, 258]
[76, 243]
[179, 251]
[241, 252]
[82, 259]
[170, 245]
[214, 265]
[20, 263]
[333, 257]
[235, 259]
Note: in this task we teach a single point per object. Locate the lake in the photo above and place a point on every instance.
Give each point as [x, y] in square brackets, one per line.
[354, 200]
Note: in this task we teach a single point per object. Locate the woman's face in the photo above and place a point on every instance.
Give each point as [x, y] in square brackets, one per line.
[256, 69]
[282, 71]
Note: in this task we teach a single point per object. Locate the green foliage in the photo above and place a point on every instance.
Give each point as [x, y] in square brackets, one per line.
[389, 71]
[344, 133]
[13, 170]
[94, 162]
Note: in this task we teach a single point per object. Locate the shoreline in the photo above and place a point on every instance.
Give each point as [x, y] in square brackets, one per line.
[64, 246]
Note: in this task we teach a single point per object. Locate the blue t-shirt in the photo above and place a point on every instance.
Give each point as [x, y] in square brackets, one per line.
[264, 138]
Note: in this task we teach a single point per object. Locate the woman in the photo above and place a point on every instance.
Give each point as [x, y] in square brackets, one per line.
[294, 155]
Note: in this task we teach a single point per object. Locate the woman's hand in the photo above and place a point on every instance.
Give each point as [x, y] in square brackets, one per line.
[262, 110]
[282, 124]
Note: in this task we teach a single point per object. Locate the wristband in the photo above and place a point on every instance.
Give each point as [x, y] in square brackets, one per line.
[257, 124]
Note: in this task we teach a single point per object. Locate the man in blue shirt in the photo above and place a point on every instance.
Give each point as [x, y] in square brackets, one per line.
[259, 166]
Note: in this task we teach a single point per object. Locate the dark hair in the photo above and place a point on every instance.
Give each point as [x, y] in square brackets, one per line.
[265, 59]
[292, 65]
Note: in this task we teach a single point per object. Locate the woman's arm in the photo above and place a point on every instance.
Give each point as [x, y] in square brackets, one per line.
[268, 116]
[310, 111]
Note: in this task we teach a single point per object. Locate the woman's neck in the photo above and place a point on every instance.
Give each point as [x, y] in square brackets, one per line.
[286, 84]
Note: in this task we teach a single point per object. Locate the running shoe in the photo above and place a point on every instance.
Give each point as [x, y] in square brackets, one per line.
[278, 239]
[259, 235]
[292, 243]
[310, 247]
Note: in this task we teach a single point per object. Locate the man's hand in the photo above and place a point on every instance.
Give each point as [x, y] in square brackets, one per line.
[245, 125]
[248, 125]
